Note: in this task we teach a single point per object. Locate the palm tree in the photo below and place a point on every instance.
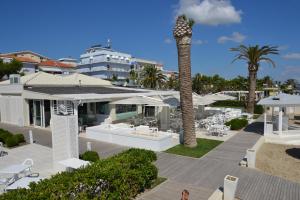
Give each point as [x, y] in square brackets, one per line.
[152, 77]
[172, 83]
[183, 34]
[253, 55]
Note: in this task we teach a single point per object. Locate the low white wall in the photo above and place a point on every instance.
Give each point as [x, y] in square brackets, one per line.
[11, 109]
[126, 138]
[64, 139]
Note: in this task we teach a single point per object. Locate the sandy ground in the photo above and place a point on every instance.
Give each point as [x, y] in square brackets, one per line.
[280, 160]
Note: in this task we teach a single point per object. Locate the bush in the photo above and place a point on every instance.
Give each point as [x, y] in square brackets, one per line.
[4, 135]
[12, 141]
[90, 156]
[237, 124]
[20, 138]
[120, 177]
[229, 103]
[258, 109]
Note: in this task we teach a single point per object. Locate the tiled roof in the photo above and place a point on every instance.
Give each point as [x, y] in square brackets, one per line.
[21, 59]
[53, 63]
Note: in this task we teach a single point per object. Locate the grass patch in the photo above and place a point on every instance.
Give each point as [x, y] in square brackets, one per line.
[203, 147]
[158, 181]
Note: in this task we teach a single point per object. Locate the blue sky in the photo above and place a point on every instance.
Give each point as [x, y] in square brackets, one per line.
[144, 29]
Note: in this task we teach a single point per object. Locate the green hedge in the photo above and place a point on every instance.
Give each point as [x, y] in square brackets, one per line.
[120, 177]
[229, 103]
[90, 156]
[237, 124]
[4, 134]
[9, 139]
[20, 138]
[12, 141]
[258, 109]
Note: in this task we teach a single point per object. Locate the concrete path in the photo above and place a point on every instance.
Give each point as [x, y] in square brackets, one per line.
[41, 156]
[43, 137]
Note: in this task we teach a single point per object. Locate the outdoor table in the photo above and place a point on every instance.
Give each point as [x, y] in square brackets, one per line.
[22, 183]
[74, 163]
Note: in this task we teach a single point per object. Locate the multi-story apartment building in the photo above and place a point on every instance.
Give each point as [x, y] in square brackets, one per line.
[33, 62]
[104, 62]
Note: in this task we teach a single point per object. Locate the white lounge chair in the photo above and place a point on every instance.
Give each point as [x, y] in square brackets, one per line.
[28, 162]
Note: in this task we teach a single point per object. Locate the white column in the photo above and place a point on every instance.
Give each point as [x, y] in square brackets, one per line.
[280, 122]
[265, 123]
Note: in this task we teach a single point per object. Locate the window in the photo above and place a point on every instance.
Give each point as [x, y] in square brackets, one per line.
[149, 111]
[102, 108]
[125, 108]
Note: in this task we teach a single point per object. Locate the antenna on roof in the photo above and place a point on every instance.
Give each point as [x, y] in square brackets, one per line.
[108, 44]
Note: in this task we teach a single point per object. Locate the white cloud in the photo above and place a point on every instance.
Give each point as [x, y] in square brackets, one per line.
[283, 47]
[234, 37]
[209, 12]
[292, 56]
[199, 42]
[168, 41]
[291, 72]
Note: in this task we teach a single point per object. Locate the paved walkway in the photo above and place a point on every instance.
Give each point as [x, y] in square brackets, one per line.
[43, 137]
[200, 176]
[203, 176]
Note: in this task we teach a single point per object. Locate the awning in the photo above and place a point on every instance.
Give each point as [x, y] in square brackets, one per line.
[218, 97]
[282, 100]
[141, 100]
[174, 100]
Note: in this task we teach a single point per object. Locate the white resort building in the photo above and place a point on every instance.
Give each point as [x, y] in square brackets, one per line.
[104, 62]
[35, 99]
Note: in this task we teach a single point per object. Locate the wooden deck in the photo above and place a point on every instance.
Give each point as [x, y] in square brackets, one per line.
[203, 176]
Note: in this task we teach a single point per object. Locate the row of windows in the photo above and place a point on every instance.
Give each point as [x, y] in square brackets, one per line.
[125, 108]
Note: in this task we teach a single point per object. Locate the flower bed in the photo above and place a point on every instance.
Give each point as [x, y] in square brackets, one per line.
[120, 177]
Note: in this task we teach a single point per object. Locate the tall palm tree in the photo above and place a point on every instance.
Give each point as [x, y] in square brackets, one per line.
[152, 77]
[253, 55]
[183, 34]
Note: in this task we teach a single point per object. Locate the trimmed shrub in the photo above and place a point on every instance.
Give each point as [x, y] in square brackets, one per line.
[11, 141]
[229, 103]
[237, 124]
[120, 177]
[90, 156]
[258, 109]
[4, 135]
[20, 138]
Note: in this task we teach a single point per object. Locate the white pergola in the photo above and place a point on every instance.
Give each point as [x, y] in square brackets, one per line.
[280, 101]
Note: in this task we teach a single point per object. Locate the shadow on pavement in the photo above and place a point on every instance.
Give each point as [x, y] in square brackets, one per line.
[294, 152]
[255, 127]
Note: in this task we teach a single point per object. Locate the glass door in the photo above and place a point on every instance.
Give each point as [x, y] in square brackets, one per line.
[37, 114]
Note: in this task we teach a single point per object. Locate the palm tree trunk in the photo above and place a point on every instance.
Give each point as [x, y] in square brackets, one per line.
[251, 94]
[186, 99]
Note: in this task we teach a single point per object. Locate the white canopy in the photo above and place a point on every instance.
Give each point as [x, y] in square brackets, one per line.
[174, 100]
[281, 100]
[218, 97]
[141, 100]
